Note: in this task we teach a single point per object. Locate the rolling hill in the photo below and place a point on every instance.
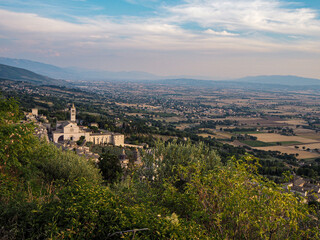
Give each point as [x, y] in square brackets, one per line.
[20, 74]
[87, 74]
[76, 73]
[280, 80]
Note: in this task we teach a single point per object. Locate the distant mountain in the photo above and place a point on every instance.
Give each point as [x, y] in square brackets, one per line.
[37, 67]
[82, 73]
[272, 81]
[20, 74]
[280, 80]
[87, 75]
[252, 83]
[76, 73]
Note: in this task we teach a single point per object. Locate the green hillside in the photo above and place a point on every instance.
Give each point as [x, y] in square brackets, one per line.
[20, 74]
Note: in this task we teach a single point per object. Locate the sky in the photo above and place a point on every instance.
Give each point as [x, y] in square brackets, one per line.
[220, 39]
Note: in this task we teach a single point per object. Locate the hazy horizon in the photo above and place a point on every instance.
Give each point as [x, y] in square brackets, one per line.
[216, 39]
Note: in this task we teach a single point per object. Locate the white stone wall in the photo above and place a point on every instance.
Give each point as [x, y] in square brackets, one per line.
[73, 132]
[100, 139]
[68, 136]
[34, 111]
[118, 140]
[72, 128]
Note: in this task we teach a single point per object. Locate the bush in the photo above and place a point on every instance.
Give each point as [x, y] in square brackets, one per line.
[84, 211]
[16, 140]
[56, 164]
[163, 160]
[110, 167]
[231, 201]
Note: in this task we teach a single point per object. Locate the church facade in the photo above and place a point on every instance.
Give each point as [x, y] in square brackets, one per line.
[69, 130]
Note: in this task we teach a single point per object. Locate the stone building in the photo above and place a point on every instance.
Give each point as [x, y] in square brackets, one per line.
[124, 160]
[34, 111]
[69, 130]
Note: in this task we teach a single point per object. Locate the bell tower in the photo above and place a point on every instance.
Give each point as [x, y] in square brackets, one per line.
[73, 113]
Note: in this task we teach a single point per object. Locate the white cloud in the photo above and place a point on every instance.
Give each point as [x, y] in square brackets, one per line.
[164, 33]
[248, 15]
[32, 23]
[228, 27]
[223, 33]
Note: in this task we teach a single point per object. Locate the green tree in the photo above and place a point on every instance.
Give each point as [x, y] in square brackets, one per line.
[56, 164]
[110, 167]
[231, 201]
[16, 140]
[163, 160]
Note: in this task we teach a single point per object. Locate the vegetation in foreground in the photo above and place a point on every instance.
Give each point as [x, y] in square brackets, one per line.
[182, 191]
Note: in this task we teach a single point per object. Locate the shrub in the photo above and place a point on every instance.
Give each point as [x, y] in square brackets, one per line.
[110, 167]
[56, 164]
[231, 201]
[162, 161]
[84, 211]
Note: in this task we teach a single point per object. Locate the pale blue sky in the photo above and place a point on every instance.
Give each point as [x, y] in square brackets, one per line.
[216, 38]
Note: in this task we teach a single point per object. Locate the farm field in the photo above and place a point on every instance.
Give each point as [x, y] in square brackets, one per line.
[315, 137]
[205, 135]
[289, 150]
[254, 143]
[294, 122]
[273, 137]
[222, 135]
[311, 146]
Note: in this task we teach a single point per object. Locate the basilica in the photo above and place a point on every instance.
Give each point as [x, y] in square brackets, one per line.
[69, 130]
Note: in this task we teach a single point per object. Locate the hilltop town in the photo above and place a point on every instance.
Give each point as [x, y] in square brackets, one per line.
[68, 136]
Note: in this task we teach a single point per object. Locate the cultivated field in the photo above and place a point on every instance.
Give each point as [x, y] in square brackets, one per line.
[289, 150]
[294, 122]
[205, 135]
[311, 146]
[273, 137]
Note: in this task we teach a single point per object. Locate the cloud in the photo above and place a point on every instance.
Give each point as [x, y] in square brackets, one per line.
[224, 28]
[248, 15]
[33, 23]
[166, 31]
[223, 33]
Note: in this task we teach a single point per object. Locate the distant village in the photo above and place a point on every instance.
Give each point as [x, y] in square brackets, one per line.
[67, 135]
[305, 188]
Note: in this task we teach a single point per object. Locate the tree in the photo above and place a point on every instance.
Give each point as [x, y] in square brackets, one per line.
[81, 140]
[231, 201]
[110, 167]
[16, 140]
[57, 164]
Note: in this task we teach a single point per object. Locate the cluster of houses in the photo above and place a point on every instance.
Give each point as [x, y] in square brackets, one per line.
[41, 122]
[305, 188]
[81, 150]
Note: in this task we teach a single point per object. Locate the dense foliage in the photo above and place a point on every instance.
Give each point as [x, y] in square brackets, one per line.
[181, 191]
[110, 167]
